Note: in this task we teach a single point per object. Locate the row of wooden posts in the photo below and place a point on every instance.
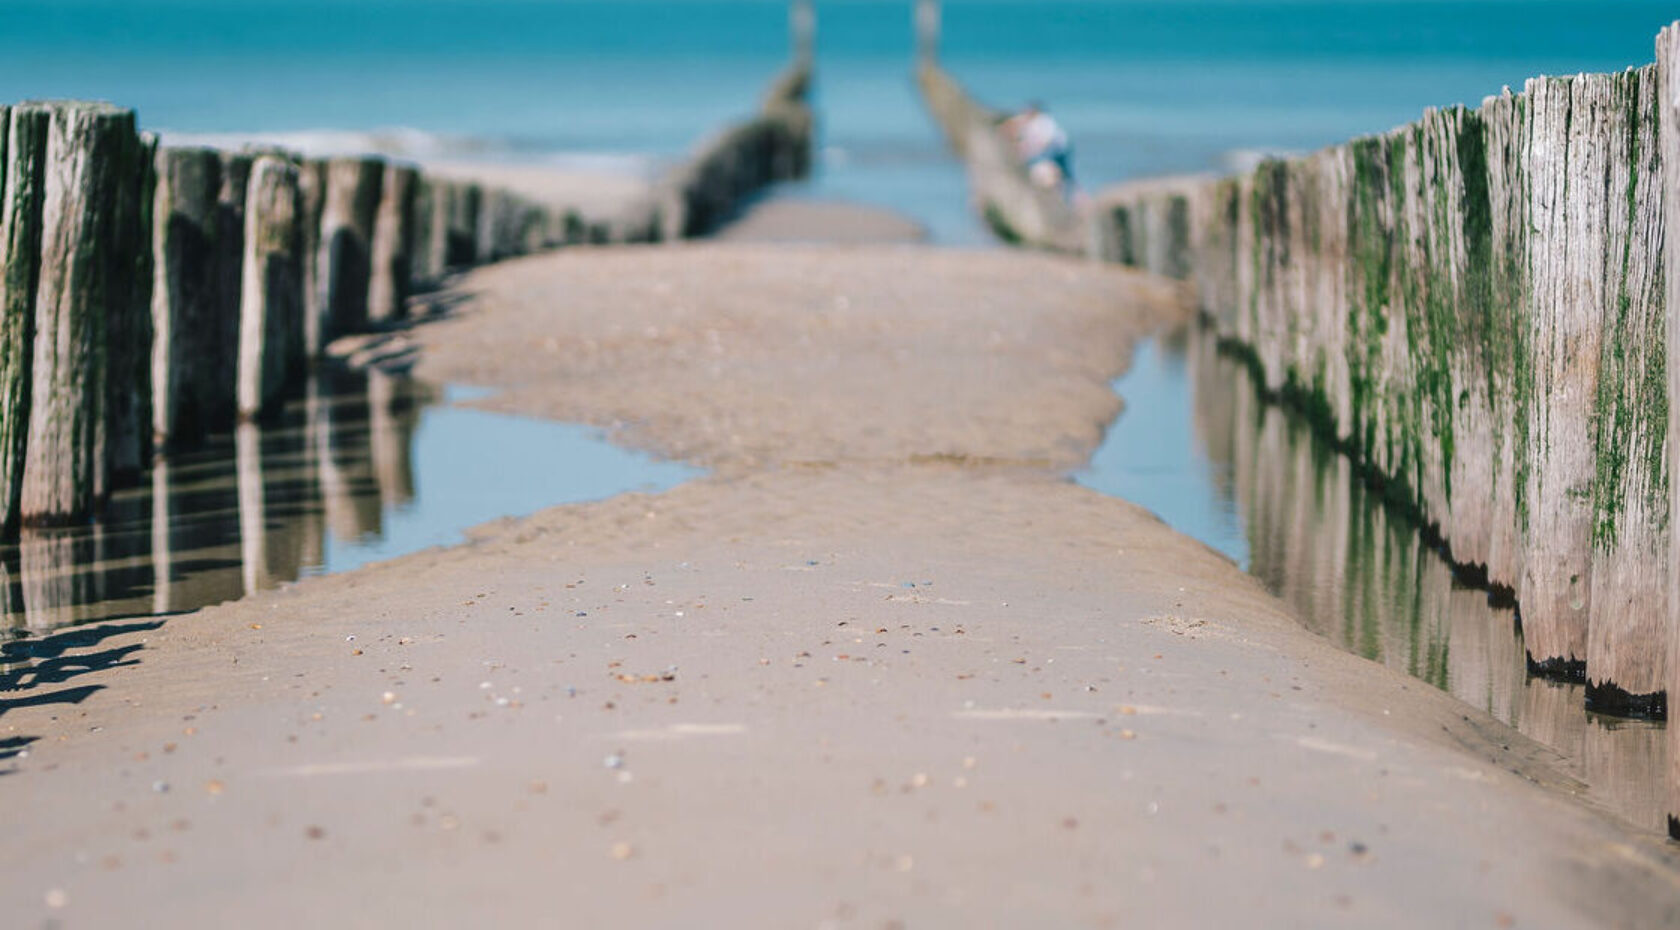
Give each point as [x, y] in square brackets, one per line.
[1473, 307]
[152, 295]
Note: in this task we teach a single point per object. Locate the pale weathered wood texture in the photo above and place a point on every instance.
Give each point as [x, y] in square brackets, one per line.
[23, 150]
[393, 245]
[87, 252]
[186, 288]
[345, 264]
[1668, 122]
[271, 336]
[312, 200]
[1472, 306]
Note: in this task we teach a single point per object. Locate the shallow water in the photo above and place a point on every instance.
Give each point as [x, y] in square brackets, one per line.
[365, 467]
[1199, 447]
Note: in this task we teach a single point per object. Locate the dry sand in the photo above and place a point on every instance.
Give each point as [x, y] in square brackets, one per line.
[885, 667]
[783, 219]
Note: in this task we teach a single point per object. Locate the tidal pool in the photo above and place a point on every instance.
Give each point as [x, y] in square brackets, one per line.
[364, 467]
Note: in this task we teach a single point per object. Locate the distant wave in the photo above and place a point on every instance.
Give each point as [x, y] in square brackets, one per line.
[426, 147]
[1242, 161]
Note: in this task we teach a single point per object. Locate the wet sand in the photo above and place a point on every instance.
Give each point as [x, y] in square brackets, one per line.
[884, 667]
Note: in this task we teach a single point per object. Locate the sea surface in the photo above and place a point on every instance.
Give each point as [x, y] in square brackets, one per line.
[1144, 88]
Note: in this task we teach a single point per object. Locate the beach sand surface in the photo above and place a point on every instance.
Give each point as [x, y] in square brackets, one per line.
[884, 667]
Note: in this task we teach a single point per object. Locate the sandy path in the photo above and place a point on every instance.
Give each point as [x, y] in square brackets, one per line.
[883, 668]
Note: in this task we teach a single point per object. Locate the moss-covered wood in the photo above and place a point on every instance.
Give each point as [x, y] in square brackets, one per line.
[1472, 306]
[23, 149]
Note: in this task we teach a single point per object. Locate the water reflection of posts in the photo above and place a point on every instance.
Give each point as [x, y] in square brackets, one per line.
[1322, 540]
[253, 509]
[392, 418]
[163, 520]
[346, 461]
[56, 578]
[11, 591]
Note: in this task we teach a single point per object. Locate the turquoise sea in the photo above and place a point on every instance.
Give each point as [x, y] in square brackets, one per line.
[1144, 87]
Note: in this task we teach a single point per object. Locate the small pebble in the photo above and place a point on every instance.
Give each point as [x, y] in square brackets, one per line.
[614, 761]
[57, 898]
[160, 786]
[622, 851]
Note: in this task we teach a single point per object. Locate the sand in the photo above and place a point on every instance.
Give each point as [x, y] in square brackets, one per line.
[885, 666]
[783, 219]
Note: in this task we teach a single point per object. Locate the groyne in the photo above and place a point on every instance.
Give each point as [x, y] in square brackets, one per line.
[1018, 211]
[1474, 308]
[775, 145]
[152, 296]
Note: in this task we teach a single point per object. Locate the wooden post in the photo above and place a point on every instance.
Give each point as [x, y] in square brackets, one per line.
[1668, 141]
[184, 294]
[927, 30]
[802, 29]
[312, 199]
[129, 329]
[23, 151]
[1627, 636]
[222, 410]
[393, 246]
[346, 251]
[1566, 259]
[271, 304]
[86, 262]
[465, 207]
[430, 232]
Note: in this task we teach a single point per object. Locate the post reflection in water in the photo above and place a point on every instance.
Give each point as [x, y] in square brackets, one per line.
[243, 514]
[1353, 570]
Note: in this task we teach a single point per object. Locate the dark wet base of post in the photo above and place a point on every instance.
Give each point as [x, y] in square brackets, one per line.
[1607, 698]
[1558, 669]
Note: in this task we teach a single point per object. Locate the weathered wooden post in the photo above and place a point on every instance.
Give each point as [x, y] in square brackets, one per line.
[346, 250]
[927, 30]
[393, 246]
[428, 231]
[89, 243]
[802, 29]
[271, 338]
[1627, 641]
[466, 207]
[1567, 221]
[23, 152]
[129, 331]
[1668, 140]
[185, 289]
[312, 200]
[223, 409]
